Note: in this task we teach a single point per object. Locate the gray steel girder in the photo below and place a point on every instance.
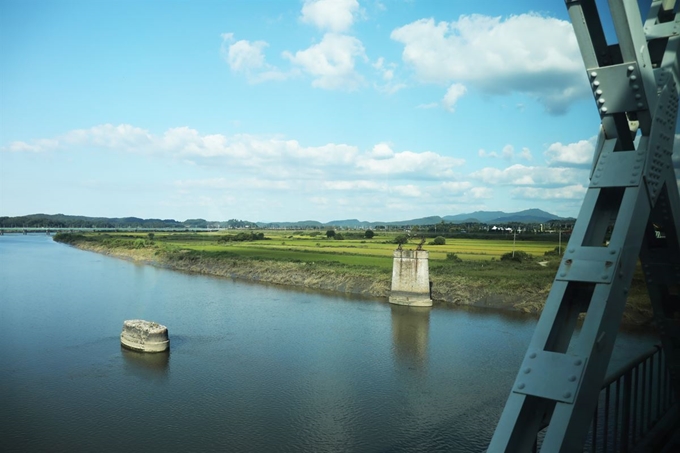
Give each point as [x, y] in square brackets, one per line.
[631, 211]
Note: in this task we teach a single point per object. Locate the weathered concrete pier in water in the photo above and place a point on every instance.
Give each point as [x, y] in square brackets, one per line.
[411, 278]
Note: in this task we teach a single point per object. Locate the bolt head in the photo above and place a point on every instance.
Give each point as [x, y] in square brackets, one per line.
[521, 386]
[572, 378]
[567, 395]
[532, 355]
[578, 362]
[593, 74]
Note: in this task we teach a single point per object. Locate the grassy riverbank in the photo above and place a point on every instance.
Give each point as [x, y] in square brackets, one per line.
[463, 271]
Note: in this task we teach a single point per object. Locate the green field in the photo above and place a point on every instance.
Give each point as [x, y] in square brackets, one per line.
[375, 252]
[462, 270]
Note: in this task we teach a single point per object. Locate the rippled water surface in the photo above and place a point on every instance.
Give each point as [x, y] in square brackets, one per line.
[251, 367]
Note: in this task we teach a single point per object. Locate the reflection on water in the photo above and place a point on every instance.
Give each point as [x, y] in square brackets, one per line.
[146, 365]
[254, 367]
[410, 335]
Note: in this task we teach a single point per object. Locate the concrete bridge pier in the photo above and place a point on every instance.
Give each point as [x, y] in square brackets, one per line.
[411, 278]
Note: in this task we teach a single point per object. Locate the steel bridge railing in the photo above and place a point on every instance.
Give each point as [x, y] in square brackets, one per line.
[631, 404]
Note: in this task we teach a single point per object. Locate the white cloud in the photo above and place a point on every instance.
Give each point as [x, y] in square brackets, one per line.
[579, 154]
[507, 153]
[529, 54]
[386, 73]
[571, 192]
[381, 151]
[247, 58]
[272, 157]
[484, 153]
[481, 192]
[521, 175]
[453, 94]
[421, 165]
[333, 15]
[227, 184]
[431, 105]
[331, 62]
[37, 146]
[526, 154]
[355, 185]
[456, 187]
[408, 190]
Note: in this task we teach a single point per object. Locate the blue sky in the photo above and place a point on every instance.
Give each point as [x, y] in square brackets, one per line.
[291, 110]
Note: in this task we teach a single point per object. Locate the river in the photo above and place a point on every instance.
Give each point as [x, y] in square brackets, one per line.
[250, 368]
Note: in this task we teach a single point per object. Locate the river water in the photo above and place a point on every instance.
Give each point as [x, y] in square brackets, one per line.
[251, 367]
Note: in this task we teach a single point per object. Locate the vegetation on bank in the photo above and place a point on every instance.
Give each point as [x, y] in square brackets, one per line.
[483, 272]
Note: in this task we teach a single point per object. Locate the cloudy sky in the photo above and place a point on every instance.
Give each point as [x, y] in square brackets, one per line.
[291, 110]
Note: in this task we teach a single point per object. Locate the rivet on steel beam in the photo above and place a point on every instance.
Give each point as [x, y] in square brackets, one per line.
[593, 74]
[604, 277]
[603, 110]
[567, 394]
[612, 252]
[636, 87]
[638, 96]
[600, 101]
[527, 370]
[640, 105]
[631, 68]
[578, 362]
[572, 378]
[532, 355]
[598, 92]
[633, 77]
[596, 83]
[520, 386]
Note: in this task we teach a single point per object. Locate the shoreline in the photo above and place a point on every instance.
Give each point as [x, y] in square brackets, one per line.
[296, 275]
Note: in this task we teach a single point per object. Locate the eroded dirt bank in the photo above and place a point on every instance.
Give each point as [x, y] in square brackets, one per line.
[454, 291]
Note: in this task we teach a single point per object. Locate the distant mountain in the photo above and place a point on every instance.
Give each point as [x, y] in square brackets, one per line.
[526, 216]
[350, 223]
[300, 224]
[71, 221]
[67, 221]
[480, 216]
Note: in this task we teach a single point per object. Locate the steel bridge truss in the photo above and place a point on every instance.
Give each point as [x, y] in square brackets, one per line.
[631, 210]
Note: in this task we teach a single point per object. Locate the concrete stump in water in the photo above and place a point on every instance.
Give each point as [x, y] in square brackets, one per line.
[144, 336]
[411, 278]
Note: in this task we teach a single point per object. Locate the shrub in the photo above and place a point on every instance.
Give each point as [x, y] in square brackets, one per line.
[339, 237]
[368, 234]
[453, 257]
[554, 252]
[439, 240]
[330, 233]
[401, 239]
[519, 256]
